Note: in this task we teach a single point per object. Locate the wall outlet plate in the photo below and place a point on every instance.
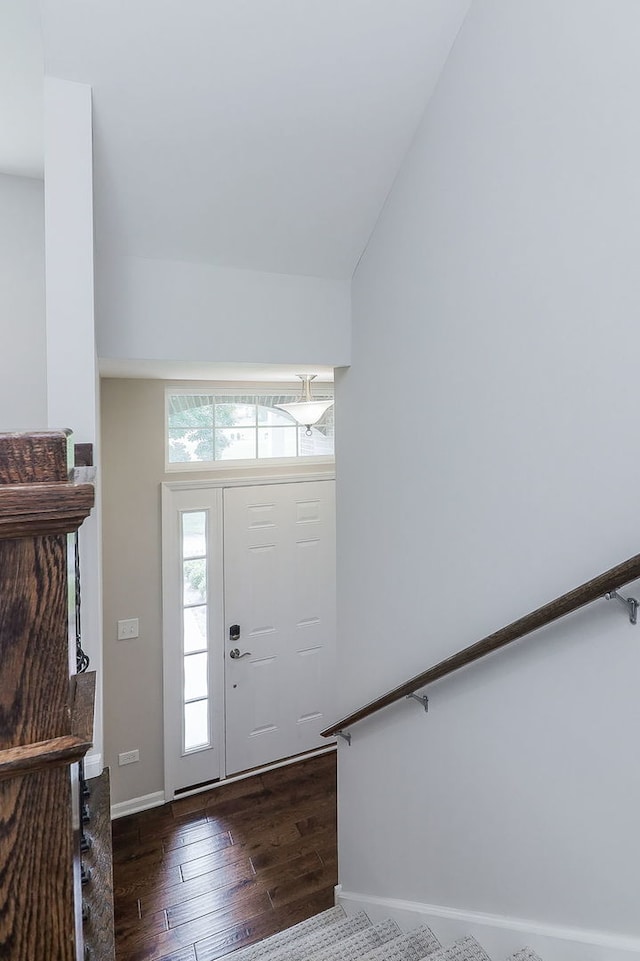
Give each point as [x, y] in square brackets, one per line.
[128, 757]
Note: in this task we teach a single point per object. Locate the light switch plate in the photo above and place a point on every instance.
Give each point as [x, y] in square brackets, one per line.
[128, 629]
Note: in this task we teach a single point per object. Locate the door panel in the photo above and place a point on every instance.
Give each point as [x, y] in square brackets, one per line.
[280, 588]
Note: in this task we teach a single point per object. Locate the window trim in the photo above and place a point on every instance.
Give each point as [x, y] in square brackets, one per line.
[171, 467]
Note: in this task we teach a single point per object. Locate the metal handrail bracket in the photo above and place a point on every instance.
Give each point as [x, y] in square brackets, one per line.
[630, 603]
[421, 699]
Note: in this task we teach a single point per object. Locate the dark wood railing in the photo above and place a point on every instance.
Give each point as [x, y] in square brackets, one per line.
[592, 590]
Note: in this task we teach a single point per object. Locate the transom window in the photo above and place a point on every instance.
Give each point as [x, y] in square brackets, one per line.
[206, 428]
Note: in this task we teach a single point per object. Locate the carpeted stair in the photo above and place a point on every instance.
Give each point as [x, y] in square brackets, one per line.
[334, 936]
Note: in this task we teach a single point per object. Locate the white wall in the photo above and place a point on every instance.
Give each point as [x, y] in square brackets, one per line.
[72, 381]
[166, 310]
[496, 345]
[23, 373]
[71, 351]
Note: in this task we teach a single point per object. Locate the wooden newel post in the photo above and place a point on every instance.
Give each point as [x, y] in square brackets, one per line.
[46, 722]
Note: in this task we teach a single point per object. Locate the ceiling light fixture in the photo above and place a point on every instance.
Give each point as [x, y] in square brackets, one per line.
[306, 411]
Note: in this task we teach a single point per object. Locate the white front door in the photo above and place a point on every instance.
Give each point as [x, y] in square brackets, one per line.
[280, 620]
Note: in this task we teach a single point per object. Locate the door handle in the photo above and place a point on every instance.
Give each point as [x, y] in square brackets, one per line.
[236, 655]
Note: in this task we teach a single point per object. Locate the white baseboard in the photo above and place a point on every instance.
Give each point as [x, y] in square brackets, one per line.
[137, 804]
[92, 765]
[500, 936]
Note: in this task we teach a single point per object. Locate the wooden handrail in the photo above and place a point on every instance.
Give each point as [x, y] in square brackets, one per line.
[56, 751]
[30, 758]
[584, 594]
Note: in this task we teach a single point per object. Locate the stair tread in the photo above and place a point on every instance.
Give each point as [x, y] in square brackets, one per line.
[353, 947]
[335, 936]
[318, 922]
[466, 949]
[301, 948]
[524, 954]
[411, 946]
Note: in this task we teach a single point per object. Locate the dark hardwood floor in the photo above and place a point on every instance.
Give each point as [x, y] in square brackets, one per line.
[202, 876]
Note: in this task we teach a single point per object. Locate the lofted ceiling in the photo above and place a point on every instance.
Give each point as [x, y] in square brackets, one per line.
[21, 74]
[262, 134]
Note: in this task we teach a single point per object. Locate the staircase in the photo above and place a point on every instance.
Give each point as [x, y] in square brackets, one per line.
[334, 936]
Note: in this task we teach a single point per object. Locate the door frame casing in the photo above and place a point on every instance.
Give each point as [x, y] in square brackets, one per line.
[169, 598]
[253, 480]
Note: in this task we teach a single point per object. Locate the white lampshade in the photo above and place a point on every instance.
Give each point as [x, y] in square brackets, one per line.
[306, 411]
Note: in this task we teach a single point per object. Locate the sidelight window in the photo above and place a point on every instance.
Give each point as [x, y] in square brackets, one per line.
[195, 644]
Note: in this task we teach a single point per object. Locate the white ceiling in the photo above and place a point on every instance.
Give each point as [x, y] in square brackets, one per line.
[261, 134]
[21, 76]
